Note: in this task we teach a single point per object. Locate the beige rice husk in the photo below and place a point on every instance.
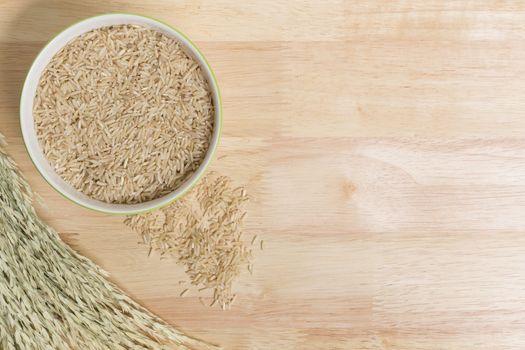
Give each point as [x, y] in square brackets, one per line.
[53, 298]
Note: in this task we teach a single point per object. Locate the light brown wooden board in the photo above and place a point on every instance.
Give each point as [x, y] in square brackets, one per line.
[383, 145]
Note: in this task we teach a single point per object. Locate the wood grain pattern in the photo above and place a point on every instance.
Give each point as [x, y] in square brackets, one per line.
[382, 143]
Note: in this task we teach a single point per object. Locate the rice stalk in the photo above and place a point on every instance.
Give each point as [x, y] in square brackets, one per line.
[53, 298]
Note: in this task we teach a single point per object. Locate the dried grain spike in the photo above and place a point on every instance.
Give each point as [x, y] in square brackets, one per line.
[54, 298]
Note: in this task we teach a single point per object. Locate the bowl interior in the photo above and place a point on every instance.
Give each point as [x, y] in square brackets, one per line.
[29, 132]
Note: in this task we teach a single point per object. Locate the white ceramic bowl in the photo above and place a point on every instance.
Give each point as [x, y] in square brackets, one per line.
[27, 122]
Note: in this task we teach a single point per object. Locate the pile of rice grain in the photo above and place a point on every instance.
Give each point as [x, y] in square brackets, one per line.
[123, 114]
[203, 230]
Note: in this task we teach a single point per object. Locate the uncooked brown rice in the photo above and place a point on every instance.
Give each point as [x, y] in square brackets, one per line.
[203, 230]
[123, 114]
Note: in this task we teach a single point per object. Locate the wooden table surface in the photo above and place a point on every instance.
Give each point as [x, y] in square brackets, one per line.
[383, 145]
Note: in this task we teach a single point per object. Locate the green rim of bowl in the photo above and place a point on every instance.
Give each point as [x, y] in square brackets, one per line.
[213, 151]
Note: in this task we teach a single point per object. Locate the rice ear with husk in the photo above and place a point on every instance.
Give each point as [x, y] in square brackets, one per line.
[53, 298]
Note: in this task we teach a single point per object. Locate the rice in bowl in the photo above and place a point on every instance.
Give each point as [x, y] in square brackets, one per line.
[123, 114]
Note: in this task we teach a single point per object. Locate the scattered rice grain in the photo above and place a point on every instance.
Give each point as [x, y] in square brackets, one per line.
[203, 230]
